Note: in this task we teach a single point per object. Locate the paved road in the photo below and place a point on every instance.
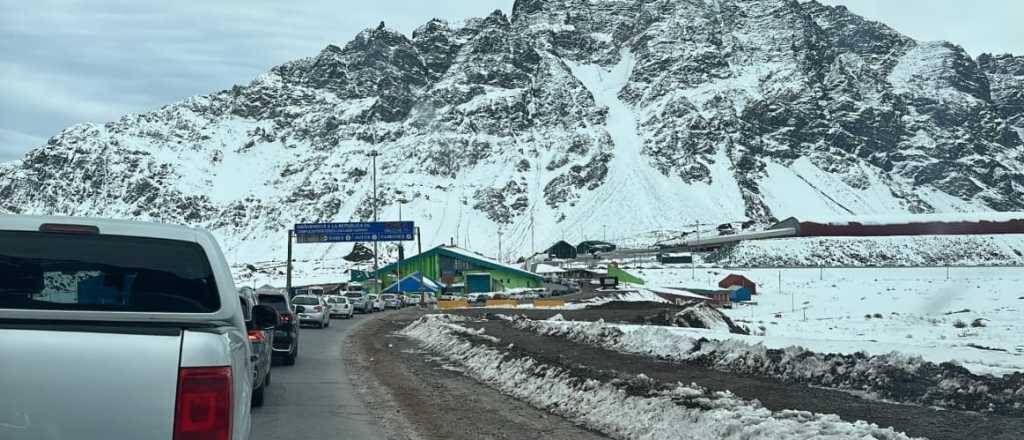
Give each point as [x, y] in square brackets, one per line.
[314, 399]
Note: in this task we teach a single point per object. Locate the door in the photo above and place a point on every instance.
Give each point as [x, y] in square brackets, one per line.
[478, 282]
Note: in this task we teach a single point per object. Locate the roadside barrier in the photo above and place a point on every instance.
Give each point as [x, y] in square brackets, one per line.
[502, 303]
[452, 304]
[548, 303]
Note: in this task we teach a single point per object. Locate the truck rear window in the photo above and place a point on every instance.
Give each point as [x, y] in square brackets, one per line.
[276, 301]
[51, 271]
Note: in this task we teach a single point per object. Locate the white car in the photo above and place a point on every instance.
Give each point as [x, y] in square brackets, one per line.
[339, 306]
[377, 302]
[312, 310]
[391, 301]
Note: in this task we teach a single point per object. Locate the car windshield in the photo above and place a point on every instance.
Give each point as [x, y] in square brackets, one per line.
[95, 272]
[354, 295]
[305, 300]
[278, 302]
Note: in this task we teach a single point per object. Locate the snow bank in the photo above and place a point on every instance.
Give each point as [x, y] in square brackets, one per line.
[678, 412]
[638, 295]
[894, 376]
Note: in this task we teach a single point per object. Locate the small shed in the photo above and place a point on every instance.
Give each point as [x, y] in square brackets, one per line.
[676, 258]
[720, 298]
[738, 280]
[739, 294]
[594, 246]
[562, 250]
[581, 273]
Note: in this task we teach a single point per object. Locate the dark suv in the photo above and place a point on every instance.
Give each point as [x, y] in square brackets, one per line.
[286, 336]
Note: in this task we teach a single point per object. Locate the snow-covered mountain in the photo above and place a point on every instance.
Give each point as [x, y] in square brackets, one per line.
[567, 118]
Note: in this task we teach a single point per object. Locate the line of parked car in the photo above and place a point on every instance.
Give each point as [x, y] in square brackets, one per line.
[282, 341]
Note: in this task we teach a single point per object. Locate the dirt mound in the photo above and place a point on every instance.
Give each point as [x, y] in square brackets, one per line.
[696, 314]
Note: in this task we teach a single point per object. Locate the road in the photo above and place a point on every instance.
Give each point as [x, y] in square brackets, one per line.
[314, 398]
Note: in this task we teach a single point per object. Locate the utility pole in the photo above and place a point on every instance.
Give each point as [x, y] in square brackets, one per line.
[288, 281]
[373, 157]
[533, 236]
[604, 233]
[419, 242]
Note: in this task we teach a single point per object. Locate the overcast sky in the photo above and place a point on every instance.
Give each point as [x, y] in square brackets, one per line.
[71, 61]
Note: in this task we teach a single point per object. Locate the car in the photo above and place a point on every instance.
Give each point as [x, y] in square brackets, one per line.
[411, 299]
[339, 306]
[391, 301]
[141, 320]
[360, 301]
[262, 341]
[312, 310]
[376, 302]
[286, 335]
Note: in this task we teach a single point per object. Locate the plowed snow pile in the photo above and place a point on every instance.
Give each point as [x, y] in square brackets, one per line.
[620, 409]
[894, 376]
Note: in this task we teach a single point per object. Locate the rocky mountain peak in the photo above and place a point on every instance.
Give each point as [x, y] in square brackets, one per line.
[565, 115]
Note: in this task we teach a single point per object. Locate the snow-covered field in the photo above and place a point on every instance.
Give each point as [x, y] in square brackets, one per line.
[916, 311]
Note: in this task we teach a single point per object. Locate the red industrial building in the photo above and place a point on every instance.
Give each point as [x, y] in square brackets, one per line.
[984, 223]
[923, 224]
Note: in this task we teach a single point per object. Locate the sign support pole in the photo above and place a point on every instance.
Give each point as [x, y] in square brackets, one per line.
[288, 284]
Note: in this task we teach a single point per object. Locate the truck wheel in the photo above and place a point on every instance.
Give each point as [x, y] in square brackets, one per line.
[327, 324]
[257, 397]
[266, 382]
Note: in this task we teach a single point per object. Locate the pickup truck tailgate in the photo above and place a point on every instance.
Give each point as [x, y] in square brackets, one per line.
[90, 384]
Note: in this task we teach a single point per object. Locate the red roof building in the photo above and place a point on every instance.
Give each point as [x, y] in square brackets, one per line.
[738, 280]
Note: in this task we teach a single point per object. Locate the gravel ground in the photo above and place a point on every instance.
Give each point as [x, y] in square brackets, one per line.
[418, 396]
[594, 362]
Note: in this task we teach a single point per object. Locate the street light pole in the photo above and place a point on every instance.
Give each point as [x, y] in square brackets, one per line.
[373, 157]
[499, 246]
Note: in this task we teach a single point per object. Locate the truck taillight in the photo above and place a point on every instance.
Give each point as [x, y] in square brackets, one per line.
[317, 308]
[256, 336]
[204, 404]
[286, 318]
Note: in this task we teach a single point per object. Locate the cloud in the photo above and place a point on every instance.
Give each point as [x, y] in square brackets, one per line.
[72, 61]
[13, 143]
[992, 26]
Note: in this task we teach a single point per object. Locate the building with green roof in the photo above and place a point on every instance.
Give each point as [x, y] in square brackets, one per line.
[455, 266]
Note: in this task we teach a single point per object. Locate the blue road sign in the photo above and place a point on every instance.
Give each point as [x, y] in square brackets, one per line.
[352, 232]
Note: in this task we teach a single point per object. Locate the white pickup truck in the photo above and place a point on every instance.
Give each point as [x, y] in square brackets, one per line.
[120, 330]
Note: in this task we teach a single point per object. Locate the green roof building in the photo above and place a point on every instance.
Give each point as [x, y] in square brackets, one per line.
[460, 267]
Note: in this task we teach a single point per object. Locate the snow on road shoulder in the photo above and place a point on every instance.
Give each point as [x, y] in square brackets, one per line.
[894, 376]
[679, 412]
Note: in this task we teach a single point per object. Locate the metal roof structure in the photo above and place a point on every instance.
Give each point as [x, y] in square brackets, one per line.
[463, 254]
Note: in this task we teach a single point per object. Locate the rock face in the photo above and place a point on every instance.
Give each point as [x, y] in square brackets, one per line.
[566, 116]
